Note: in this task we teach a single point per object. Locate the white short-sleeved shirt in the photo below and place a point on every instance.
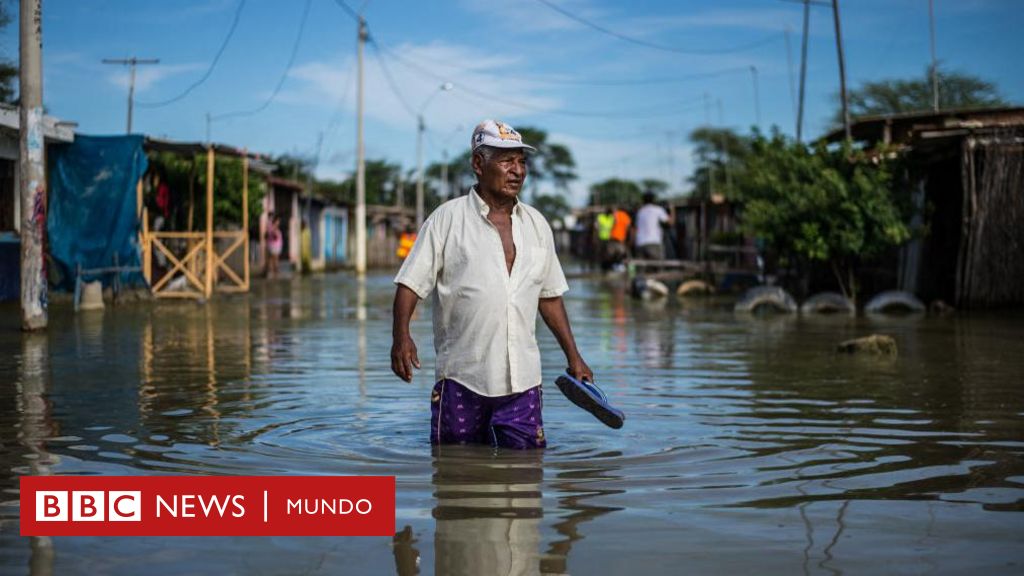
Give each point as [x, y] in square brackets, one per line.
[484, 318]
[648, 224]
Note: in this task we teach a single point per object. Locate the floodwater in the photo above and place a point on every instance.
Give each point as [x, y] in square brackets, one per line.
[749, 446]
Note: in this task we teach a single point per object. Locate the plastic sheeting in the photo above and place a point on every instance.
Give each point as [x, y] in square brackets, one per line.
[92, 207]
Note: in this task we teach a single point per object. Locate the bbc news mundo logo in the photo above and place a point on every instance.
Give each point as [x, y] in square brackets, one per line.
[207, 505]
[89, 506]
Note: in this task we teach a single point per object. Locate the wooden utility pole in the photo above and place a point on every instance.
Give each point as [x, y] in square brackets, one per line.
[132, 63]
[31, 167]
[803, 71]
[842, 70]
[360, 161]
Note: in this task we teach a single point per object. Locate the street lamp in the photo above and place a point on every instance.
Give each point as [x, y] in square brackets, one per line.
[419, 150]
[444, 165]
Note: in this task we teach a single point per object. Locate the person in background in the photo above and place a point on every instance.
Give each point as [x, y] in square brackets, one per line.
[651, 221]
[275, 242]
[605, 222]
[306, 247]
[405, 242]
[617, 251]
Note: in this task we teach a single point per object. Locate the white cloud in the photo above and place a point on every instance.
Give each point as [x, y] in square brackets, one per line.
[532, 17]
[329, 84]
[147, 75]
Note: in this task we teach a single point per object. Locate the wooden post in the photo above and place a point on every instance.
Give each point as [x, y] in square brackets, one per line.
[210, 159]
[245, 218]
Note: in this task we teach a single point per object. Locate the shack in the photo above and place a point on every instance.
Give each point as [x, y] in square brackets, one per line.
[54, 131]
[966, 184]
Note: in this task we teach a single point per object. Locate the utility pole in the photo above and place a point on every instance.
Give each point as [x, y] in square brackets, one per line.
[360, 160]
[132, 63]
[789, 64]
[803, 71]
[31, 168]
[935, 64]
[757, 96]
[420, 127]
[444, 175]
[842, 70]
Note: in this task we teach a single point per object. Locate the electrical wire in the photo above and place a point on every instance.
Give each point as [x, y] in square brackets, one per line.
[209, 71]
[590, 81]
[652, 45]
[390, 79]
[664, 109]
[348, 9]
[284, 75]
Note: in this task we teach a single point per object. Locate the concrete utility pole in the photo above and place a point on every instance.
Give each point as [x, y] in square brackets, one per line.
[789, 65]
[360, 160]
[935, 64]
[131, 62]
[420, 128]
[31, 167]
[803, 71]
[757, 96]
[842, 70]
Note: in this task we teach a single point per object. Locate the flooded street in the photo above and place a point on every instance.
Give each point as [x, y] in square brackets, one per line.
[749, 445]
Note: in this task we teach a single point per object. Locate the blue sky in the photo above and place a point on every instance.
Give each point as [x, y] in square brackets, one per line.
[516, 60]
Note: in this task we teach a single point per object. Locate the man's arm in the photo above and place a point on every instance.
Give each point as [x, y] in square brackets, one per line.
[403, 349]
[552, 310]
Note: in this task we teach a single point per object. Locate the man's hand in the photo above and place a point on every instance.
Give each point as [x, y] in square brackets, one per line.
[403, 349]
[579, 370]
[404, 357]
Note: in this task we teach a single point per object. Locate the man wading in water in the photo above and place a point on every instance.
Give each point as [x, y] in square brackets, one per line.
[490, 262]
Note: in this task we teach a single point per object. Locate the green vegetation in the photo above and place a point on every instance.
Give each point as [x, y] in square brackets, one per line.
[186, 177]
[832, 206]
[893, 96]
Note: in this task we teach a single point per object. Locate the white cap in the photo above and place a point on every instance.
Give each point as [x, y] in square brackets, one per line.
[497, 134]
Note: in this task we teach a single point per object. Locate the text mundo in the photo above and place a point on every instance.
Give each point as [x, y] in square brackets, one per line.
[207, 505]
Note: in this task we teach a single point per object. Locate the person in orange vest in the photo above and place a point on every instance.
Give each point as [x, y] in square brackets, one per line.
[617, 238]
[405, 242]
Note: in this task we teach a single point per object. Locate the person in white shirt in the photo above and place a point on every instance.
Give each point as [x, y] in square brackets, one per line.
[489, 260]
[650, 221]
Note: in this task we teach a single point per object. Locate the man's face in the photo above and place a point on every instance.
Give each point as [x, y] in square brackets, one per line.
[504, 175]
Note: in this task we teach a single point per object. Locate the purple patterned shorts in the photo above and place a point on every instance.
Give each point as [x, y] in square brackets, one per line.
[460, 416]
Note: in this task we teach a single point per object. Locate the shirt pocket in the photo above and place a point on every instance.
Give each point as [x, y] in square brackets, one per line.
[536, 264]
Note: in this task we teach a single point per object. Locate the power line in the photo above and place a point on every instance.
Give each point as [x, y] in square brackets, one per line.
[284, 75]
[209, 71]
[390, 79]
[588, 81]
[652, 45]
[348, 9]
[663, 109]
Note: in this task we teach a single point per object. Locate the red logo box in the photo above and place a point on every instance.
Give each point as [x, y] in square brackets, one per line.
[207, 505]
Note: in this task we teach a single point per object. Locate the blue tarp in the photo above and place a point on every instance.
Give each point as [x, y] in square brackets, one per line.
[92, 206]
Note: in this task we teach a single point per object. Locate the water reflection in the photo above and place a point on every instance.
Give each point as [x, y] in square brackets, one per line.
[488, 511]
[34, 427]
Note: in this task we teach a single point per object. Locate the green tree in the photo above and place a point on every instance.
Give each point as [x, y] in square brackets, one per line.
[551, 161]
[616, 191]
[383, 179]
[833, 206]
[8, 70]
[552, 206]
[893, 96]
[654, 186]
[720, 154]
